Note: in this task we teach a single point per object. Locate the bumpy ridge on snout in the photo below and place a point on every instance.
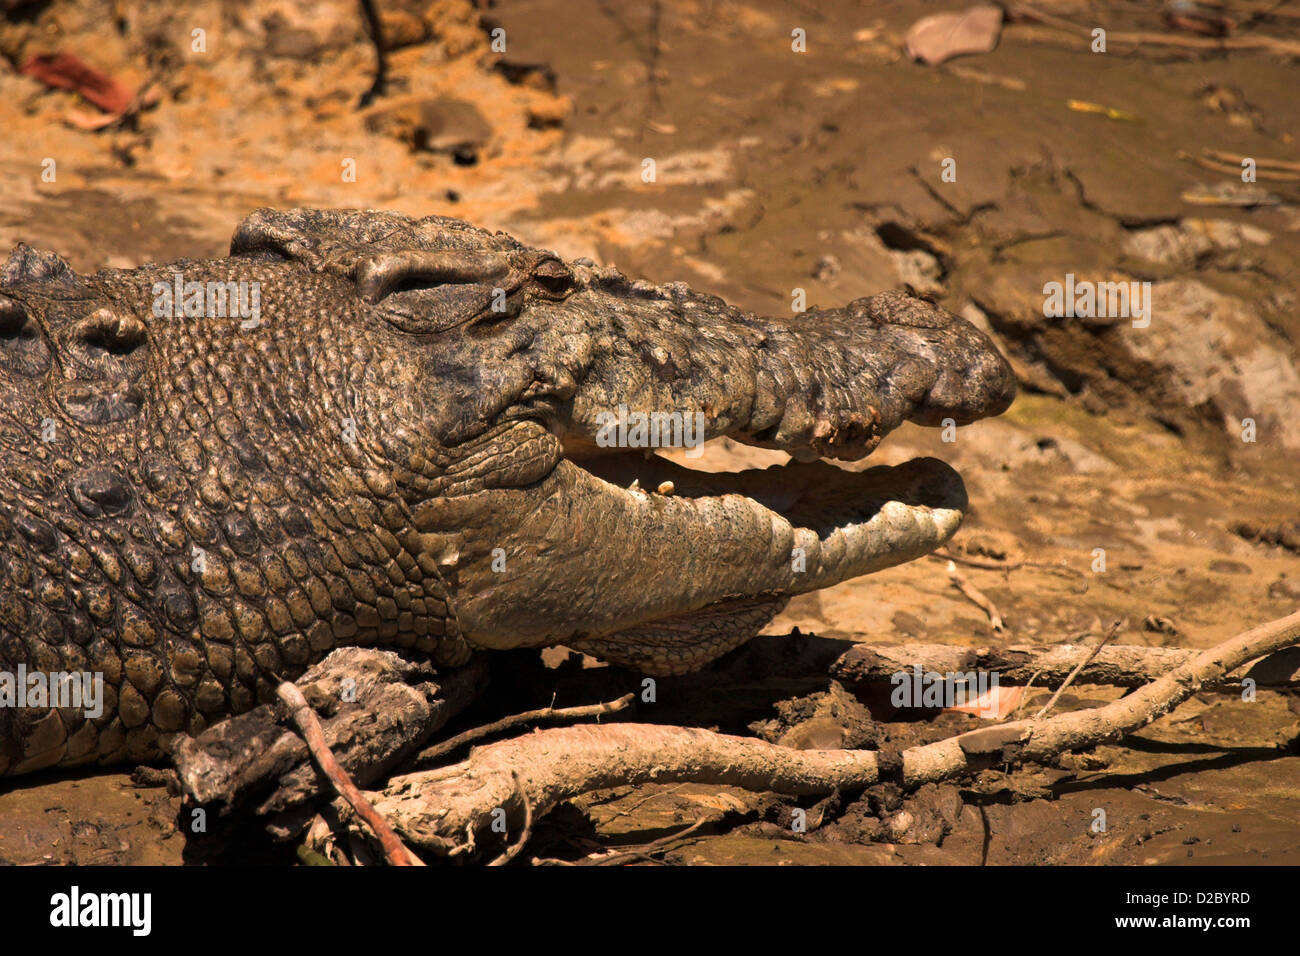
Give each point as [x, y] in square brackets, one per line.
[825, 383]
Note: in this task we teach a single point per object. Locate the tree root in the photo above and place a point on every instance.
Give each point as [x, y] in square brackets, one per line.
[513, 779]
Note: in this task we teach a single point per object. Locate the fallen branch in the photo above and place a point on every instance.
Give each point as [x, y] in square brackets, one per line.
[304, 718]
[1120, 665]
[452, 744]
[534, 773]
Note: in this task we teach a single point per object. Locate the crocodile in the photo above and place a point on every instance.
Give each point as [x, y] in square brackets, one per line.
[364, 429]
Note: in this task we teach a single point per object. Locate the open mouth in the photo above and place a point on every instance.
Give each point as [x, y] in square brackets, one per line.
[622, 541]
[840, 524]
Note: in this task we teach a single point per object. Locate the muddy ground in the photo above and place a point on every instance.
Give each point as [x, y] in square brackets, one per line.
[778, 170]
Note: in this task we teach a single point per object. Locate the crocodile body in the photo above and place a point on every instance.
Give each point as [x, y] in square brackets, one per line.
[398, 445]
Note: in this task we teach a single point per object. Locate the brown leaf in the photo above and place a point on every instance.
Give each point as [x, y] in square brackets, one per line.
[64, 71]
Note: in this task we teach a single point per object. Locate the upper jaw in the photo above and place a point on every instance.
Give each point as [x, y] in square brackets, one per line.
[823, 384]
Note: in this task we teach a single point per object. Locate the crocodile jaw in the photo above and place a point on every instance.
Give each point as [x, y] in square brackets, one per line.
[614, 544]
[630, 556]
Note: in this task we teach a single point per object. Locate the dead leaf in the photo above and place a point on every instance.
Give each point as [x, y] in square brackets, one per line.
[946, 35]
[994, 704]
[64, 71]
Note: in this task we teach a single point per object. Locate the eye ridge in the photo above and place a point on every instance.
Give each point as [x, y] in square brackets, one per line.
[381, 275]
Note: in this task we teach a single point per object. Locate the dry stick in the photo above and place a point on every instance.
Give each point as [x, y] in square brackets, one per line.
[1222, 166]
[308, 724]
[995, 565]
[1105, 639]
[654, 846]
[434, 807]
[976, 596]
[1024, 697]
[990, 565]
[512, 851]
[1235, 161]
[439, 750]
[1084, 34]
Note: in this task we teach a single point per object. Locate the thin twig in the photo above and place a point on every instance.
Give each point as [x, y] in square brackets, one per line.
[439, 750]
[654, 846]
[1120, 665]
[1260, 161]
[375, 28]
[1114, 629]
[975, 596]
[643, 801]
[1084, 35]
[987, 565]
[304, 718]
[1262, 172]
[513, 850]
[1024, 698]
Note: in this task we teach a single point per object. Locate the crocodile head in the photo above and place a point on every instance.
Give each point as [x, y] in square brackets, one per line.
[519, 400]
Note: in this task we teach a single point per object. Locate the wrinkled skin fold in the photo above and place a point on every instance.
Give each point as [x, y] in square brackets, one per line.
[400, 443]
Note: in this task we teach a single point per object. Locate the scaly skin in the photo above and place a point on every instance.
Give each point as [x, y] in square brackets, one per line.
[197, 508]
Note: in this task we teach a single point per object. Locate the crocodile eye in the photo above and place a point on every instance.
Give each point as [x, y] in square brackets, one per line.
[379, 276]
[553, 276]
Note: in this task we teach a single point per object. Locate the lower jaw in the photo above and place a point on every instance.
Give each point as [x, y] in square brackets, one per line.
[823, 503]
[620, 541]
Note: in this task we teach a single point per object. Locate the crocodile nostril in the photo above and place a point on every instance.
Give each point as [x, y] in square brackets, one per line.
[22, 347]
[13, 318]
[106, 346]
[111, 332]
